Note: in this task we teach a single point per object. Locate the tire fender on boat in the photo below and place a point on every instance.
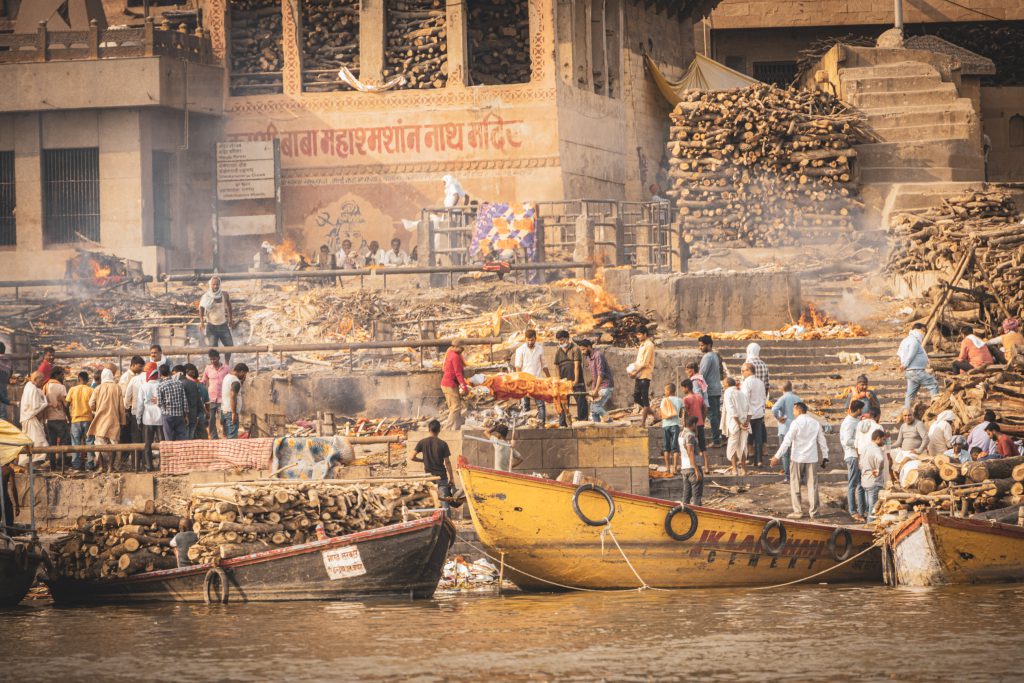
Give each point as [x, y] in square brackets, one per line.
[847, 543]
[600, 491]
[222, 592]
[766, 544]
[681, 509]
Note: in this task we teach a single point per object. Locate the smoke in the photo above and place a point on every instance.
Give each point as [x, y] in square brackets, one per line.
[853, 308]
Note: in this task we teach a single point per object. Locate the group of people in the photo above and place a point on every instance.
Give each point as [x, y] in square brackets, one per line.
[149, 402]
[367, 256]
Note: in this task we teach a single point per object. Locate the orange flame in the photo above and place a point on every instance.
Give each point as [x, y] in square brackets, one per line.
[99, 273]
[598, 300]
[285, 253]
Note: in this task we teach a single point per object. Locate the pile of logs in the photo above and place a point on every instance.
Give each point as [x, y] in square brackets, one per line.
[417, 43]
[960, 488]
[255, 47]
[969, 396]
[807, 59]
[499, 42]
[118, 544]
[987, 223]
[330, 40]
[761, 165]
[237, 519]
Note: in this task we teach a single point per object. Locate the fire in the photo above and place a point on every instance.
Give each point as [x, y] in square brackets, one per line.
[99, 273]
[285, 253]
[812, 324]
[598, 299]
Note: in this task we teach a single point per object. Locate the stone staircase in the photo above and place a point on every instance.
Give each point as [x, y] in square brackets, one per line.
[928, 133]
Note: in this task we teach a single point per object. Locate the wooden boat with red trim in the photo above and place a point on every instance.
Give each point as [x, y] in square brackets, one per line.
[930, 549]
[553, 536]
[402, 559]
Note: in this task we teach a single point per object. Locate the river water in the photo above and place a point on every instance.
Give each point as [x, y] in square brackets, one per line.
[972, 633]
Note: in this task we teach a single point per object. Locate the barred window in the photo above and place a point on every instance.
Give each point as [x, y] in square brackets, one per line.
[8, 235]
[71, 195]
[780, 73]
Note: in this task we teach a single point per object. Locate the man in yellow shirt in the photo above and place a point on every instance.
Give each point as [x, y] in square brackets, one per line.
[642, 373]
[81, 417]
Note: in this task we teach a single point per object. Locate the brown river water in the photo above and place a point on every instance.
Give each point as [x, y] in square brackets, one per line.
[806, 633]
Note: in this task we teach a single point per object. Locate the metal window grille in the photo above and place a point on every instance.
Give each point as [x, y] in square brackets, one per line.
[71, 195]
[779, 73]
[162, 221]
[8, 234]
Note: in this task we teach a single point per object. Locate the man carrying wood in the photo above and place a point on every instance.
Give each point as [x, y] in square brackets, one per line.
[183, 540]
[914, 363]
[806, 438]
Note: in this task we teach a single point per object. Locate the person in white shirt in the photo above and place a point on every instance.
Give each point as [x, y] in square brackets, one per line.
[148, 415]
[735, 425]
[757, 396]
[940, 434]
[529, 358]
[868, 424]
[129, 432]
[873, 470]
[229, 395]
[396, 257]
[848, 439]
[806, 438]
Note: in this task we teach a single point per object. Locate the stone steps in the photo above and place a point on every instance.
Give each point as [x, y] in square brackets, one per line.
[899, 174]
[956, 113]
[892, 70]
[914, 196]
[924, 132]
[948, 152]
[941, 94]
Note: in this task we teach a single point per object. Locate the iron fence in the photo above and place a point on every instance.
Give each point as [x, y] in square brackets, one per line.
[71, 195]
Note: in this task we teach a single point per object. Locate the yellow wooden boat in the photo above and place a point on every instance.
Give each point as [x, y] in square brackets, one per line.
[930, 549]
[552, 535]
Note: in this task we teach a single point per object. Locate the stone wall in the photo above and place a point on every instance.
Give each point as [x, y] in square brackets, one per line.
[998, 106]
[618, 455]
[762, 13]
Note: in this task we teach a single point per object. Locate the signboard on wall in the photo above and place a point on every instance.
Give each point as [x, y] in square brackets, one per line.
[236, 226]
[246, 170]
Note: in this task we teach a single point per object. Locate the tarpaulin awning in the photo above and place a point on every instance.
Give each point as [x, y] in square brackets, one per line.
[703, 74]
[12, 440]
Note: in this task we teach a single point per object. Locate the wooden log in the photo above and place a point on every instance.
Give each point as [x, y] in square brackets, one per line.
[141, 560]
[1000, 468]
[166, 521]
[230, 550]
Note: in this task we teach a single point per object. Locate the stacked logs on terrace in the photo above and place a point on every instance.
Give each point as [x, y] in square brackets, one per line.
[969, 396]
[935, 239]
[238, 519]
[118, 544]
[417, 43]
[760, 164]
[255, 47]
[960, 488]
[330, 40]
[499, 42]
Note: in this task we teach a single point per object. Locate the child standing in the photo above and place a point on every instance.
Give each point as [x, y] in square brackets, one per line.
[671, 408]
[691, 462]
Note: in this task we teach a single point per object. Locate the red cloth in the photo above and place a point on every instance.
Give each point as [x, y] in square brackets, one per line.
[1005, 446]
[454, 367]
[694, 405]
[180, 457]
[46, 368]
[978, 357]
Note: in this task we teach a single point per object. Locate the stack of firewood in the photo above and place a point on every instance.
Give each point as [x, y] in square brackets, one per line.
[255, 47]
[417, 43]
[238, 519]
[986, 223]
[117, 544]
[764, 165]
[330, 32]
[969, 396]
[499, 41]
[963, 488]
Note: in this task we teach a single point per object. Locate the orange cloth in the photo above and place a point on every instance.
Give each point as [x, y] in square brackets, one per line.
[977, 356]
[523, 385]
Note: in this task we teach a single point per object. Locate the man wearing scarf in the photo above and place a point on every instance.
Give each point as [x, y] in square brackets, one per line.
[107, 403]
[1011, 340]
[974, 354]
[33, 407]
[914, 363]
[215, 316]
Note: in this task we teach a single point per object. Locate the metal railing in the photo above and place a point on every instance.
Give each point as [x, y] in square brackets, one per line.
[95, 43]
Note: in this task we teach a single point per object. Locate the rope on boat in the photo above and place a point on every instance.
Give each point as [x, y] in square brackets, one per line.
[871, 547]
[643, 584]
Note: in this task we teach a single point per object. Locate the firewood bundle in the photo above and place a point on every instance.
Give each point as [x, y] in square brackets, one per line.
[416, 43]
[330, 40]
[118, 544]
[808, 58]
[763, 165]
[936, 239]
[499, 42]
[254, 45]
[238, 519]
[962, 488]
[969, 396]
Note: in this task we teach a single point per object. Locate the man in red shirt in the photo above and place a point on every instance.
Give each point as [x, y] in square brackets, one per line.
[974, 354]
[453, 386]
[46, 366]
[1005, 447]
[694, 406]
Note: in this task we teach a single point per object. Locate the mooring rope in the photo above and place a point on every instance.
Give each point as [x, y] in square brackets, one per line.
[876, 544]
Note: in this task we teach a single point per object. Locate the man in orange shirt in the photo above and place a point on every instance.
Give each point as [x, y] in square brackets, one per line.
[974, 354]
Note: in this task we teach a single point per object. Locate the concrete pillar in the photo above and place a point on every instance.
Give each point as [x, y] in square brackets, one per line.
[584, 251]
[28, 186]
[372, 25]
[291, 75]
[458, 45]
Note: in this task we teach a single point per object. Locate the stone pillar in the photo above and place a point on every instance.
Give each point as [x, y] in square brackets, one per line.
[584, 251]
[458, 45]
[28, 181]
[291, 75]
[372, 25]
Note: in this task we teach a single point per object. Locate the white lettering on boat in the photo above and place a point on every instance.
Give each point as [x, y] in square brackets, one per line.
[343, 563]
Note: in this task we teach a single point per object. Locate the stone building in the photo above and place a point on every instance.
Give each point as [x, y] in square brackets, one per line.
[764, 39]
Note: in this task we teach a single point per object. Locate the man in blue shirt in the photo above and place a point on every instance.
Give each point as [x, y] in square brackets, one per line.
[783, 412]
[711, 371]
[914, 363]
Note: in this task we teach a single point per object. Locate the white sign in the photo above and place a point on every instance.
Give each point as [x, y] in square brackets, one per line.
[343, 563]
[234, 226]
[244, 151]
[245, 170]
